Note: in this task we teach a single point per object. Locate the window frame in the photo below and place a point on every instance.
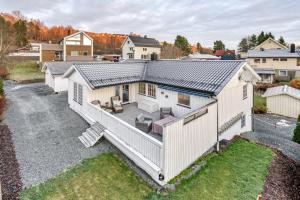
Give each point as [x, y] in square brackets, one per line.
[77, 53]
[85, 52]
[142, 90]
[283, 59]
[75, 91]
[286, 73]
[144, 49]
[243, 121]
[181, 102]
[298, 61]
[80, 94]
[264, 60]
[256, 60]
[151, 90]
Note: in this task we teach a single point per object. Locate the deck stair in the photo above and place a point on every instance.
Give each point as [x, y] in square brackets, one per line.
[92, 135]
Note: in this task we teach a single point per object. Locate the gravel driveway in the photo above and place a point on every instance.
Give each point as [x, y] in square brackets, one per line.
[45, 132]
[268, 131]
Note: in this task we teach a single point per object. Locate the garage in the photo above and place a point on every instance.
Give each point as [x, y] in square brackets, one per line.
[283, 100]
[54, 75]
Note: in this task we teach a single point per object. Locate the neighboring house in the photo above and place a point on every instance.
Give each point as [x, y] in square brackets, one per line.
[54, 75]
[211, 101]
[135, 47]
[200, 56]
[75, 47]
[270, 43]
[225, 54]
[275, 64]
[283, 100]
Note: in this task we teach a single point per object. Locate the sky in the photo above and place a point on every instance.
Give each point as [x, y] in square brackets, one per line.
[198, 20]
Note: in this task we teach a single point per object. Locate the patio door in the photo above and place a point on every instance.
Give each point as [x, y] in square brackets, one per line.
[125, 93]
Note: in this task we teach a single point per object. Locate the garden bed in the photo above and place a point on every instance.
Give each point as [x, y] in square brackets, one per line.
[10, 179]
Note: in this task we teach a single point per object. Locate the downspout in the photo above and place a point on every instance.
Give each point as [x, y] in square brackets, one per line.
[218, 144]
[252, 110]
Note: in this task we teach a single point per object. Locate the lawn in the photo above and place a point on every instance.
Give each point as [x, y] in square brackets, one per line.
[260, 105]
[25, 72]
[237, 173]
[102, 177]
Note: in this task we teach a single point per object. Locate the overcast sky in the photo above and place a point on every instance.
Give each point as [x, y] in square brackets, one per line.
[198, 20]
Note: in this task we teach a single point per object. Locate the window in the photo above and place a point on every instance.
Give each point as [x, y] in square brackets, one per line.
[151, 90]
[257, 60]
[243, 121]
[275, 59]
[144, 49]
[128, 42]
[130, 56]
[142, 88]
[74, 53]
[283, 73]
[283, 59]
[183, 99]
[264, 60]
[75, 92]
[85, 53]
[298, 61]
[131, 48]
[143, 56]
[245, 92]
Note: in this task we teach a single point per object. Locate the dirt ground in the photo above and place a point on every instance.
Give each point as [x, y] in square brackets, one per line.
[10, 179]
[283, 181]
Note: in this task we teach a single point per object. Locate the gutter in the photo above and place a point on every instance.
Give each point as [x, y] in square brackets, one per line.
[218, 142]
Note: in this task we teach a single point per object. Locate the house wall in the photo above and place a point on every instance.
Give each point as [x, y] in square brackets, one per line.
[49, 79]
[60, 84]
[284, 105]
[183, 144]
[126, 48]
[231, 103]
[48, 55]
[269, 44]
[290, 64]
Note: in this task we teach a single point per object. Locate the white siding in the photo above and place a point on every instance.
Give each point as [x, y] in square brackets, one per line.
[49, 79]
[126, 48]
[60, 84]
[86, 41]
[183, 144]
[284, 105]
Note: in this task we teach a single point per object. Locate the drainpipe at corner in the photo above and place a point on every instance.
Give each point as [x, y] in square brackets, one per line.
[218, 144]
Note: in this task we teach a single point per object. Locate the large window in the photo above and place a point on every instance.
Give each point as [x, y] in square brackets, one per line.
[74, 53]
[283, 73]
[77, 93]
[142, 88]
[184, 99]
[245, 92]
[151, 90]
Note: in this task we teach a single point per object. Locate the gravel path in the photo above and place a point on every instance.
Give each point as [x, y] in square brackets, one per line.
[279, 137]
[45, 132]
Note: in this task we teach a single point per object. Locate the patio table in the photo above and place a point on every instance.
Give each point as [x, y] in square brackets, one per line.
[157, 127]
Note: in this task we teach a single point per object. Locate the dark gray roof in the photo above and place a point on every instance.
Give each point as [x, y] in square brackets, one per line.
[273, 53]
[264, 71]
[144, 41]
[57, 68]
[205, 76]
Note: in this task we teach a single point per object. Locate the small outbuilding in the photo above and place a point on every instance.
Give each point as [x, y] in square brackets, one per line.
[54, 75]
[283, 100]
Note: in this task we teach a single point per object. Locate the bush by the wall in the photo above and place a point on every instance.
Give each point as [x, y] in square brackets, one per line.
[296, 137]
[295, 83]
[3, 72]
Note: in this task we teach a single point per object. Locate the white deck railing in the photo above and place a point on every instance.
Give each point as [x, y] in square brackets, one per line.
[149, 147]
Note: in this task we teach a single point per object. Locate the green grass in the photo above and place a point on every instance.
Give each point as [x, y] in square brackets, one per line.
[102, 177]
[25, 72]
[260, 105]
[237, 173]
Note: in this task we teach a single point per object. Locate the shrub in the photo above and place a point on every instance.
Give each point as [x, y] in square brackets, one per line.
[260, 110]
[296, 137]
[264, 86]
[3, 72]
[295, 83]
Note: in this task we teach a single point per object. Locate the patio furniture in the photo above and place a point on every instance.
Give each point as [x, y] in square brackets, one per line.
[165, 112]
[148, 106]
[96, 102]
[143, 123]
[157, 127]
[116, 104]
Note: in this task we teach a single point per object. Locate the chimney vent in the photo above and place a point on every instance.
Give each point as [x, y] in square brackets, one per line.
[145, 36]
[293, 48]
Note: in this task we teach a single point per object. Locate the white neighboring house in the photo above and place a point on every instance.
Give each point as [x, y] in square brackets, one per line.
[211, 101]
[283, 100]
[200, 56]
[54, 72]
[135, 47]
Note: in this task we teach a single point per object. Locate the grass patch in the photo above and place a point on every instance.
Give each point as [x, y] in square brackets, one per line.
[237, 173]
[260, 105]
[102, 177]
[25, 72]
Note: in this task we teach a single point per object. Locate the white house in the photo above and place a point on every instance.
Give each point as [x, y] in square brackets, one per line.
[135, 47]
[283, 100]
[210, 100]
[54, 72]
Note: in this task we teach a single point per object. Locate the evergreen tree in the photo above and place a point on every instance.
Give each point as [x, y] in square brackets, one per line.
[182, 43]
[281, 40]
[21, 33]
[261, 38]
[243, 45]
[219, 45]
[252, 41]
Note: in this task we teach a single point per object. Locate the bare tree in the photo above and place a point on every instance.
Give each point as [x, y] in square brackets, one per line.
[169, 51]
[6, 38]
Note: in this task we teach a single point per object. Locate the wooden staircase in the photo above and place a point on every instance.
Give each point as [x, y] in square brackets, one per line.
[92, 135]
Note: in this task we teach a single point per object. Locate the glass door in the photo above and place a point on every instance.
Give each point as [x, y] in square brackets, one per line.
[125, 93]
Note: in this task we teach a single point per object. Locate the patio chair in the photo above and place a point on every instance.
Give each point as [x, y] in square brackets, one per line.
[143, 123]
[116, 104]
[165, 112]
[96, 102]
